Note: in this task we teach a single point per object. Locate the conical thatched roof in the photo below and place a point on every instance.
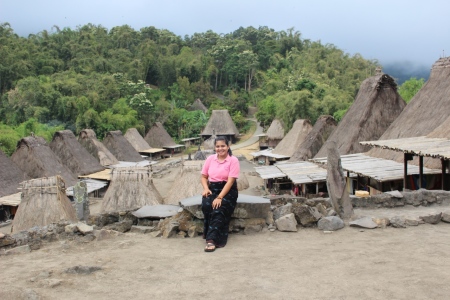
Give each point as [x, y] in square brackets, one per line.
[376, 106]
[88, 140]
[73, 155]
[34, 157]
[294, 138]
[44, 201]
[187, 184]
[442, 131]
[10, 176]
[198, 105]
[130, 189]
[275, 131]
[136, 140]
[220, 123]
[319, 134]
[157, 137]
[118, 145]
[426, 112]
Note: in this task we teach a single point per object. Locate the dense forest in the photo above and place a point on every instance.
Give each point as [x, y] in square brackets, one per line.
[92, 77]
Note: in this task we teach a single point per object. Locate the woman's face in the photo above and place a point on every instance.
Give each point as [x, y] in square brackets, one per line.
[221, 148]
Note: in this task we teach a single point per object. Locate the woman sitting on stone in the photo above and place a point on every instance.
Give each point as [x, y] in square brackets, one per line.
[220, 193]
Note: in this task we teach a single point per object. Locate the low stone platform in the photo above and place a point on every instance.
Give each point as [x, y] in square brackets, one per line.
[248, 207]
[157, 211]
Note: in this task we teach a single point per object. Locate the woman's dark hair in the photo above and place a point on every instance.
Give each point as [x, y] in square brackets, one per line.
[222, 138]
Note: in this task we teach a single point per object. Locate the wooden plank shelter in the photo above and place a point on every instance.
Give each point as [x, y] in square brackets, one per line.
[381, 170]
[418, 146]
[265, 157]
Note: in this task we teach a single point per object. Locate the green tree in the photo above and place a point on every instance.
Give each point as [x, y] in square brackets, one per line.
[410, 87]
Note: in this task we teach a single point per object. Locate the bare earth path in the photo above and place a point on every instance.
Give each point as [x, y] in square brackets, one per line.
[389, 263]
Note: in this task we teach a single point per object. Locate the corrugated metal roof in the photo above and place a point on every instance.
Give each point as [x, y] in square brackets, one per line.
[376, 168]
[269, 172]
[92, 185]
[303, 172]
[423, 146]
[268, 153]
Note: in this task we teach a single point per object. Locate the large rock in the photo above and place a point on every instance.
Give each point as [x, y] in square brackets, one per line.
[169, 228]
[84, 229]
[364, 222]
[446, 217]
[282, 211]
[432, 218]
[398, 222]
[332, 223]
[141, 229]
[244, 223]
[336, 183]
[122, 226]
[247, 207]
[6, 241]
[286, 223]
[157, 211]
[305, 214]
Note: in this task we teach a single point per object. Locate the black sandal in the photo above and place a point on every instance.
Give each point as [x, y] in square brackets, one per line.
[208, 247]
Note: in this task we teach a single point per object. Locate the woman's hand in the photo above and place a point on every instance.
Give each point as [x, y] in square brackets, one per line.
[206, 192]
[217, 203]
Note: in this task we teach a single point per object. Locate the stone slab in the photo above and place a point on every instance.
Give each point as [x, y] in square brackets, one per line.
[247, 207]
[157, 211]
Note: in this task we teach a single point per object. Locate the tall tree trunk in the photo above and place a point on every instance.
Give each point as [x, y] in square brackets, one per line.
[215, 86]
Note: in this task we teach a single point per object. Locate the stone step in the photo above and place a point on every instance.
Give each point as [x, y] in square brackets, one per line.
[247, 207]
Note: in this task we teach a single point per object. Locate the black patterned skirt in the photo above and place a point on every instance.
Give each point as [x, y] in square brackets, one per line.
[217, 221]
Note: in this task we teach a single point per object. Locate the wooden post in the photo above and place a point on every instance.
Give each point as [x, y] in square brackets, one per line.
[420, 171]
[405, 169]
[317, 188]
[444, 167]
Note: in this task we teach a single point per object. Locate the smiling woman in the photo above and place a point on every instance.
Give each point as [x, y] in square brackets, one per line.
[220, 193]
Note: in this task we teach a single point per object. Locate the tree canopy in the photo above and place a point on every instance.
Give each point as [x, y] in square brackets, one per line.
[92, 77]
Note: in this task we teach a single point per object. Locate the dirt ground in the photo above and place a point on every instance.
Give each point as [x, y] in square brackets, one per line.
[389, 263]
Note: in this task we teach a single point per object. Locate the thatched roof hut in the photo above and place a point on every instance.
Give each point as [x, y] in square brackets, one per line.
[198, 105]
[376, 106]
[294, 138]
[158, 137]
[220, 123]
[274, 134]
[44, 201]
[88, 140]
[319, 134]
[118, 145]
[73, 155]
[136, 140]
[130, 188]
[34, 157]
[427, 111]
[208, 144]
[442, 131]
[10, 176]
[187, 183]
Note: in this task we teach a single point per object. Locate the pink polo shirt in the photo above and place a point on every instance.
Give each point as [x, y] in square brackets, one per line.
[220, 171]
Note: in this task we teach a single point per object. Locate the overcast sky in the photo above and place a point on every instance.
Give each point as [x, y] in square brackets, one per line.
[391, 31]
